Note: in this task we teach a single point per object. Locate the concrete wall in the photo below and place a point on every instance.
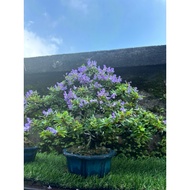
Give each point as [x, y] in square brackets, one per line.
[129, 57]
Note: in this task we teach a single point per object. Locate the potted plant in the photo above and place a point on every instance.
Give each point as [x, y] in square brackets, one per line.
[88, 116]
[30, 136]
[92, 104]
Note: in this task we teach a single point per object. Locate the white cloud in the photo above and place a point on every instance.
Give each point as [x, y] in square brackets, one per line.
[58, 41]
[36, 46]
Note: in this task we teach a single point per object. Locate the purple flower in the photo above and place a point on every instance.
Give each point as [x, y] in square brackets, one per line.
[108, 69]
[82, 69]
[83, 78]
[26, 128]
[27, 125]
[164, 122]
[101, 102]
[70, 95]
[70, 106]
[114, 79]
[113, 115]
[104, 68]
[29, 93]
[102, 93]
[52, 130]
[113, 95]
[97, 85]
[72, 76]
[49, 111]
[91, 63]
[102, 76]
[135, 89]
[74, 72]
[123, 109]
[82, 103]
[119, 79]
[61, 86]
[129, 89]
[114, 104]
[93, 101]
[122, 103]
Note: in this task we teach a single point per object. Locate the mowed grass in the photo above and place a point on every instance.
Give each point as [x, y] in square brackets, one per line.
[126, 173]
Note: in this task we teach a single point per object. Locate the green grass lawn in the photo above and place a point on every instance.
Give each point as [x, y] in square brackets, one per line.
[128, 174]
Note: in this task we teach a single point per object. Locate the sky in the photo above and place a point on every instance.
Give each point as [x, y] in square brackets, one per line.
[72, 26]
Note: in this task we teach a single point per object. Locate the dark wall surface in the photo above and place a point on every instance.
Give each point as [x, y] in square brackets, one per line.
[143, 77]
[129, 57]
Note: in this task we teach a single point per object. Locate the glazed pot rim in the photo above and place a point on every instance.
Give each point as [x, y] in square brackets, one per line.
[29, 148]
[101, 156]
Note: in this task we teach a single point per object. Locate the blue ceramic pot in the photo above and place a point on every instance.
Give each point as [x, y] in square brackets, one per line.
[30, 154]
[89, 165]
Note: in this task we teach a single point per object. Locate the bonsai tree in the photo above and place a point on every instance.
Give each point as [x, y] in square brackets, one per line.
[91, 110]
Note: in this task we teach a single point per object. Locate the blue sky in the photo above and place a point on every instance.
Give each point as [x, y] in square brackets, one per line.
[70, 26]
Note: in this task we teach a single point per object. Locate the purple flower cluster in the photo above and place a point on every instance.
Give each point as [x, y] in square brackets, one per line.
[82, 69]
[72, 76]
[135, 89]
[106, 74]
[61, 86]
[91, 63]
[97, 85]
[108, 69]
[29, 93]
[78, 75]
[103, 93]
[101, 77]
[113, 115]
[68, 97]
[49, 111]
[113, 95]
[83, 103]
[91, 73]
[73, 73]
[123, 109]
[93, 101]
[115, 79]
[52, 130]
[27, 125]
[93, 77]
[83, 78]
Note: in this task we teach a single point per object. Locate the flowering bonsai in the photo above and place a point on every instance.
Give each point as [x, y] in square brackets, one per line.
[31, 135]
[89, 111]
[30, 141]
